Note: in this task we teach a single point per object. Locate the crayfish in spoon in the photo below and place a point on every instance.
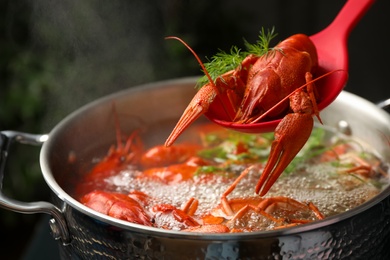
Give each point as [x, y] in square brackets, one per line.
[266, 84]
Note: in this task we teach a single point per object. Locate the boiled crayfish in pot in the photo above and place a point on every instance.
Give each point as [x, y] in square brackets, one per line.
[261, 84]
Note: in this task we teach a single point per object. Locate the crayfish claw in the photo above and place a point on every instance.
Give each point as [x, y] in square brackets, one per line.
[290, 136]
[199, 105]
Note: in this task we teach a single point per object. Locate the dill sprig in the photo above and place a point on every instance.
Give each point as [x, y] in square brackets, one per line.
[261, 46]
[223, 61]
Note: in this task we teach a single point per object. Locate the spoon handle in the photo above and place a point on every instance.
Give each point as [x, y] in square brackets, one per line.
[349, 16]
[345, 21]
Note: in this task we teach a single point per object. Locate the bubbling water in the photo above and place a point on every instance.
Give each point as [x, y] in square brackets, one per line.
[333, 185]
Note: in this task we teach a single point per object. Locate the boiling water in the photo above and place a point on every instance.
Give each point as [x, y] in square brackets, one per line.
[328, 186]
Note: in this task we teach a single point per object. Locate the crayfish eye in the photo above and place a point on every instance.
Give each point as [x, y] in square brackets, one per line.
[256, 111]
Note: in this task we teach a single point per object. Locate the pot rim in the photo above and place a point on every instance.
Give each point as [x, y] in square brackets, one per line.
[67, 199]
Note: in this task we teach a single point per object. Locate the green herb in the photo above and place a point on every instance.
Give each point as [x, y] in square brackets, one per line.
[223, 62]
[261, 47]
[214, 153]
[358, 178]
[220, 63]
[313, 147]
[236, 147]
[377, 184]
[209, 169]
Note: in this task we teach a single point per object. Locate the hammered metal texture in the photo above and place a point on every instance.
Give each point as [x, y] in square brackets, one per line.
[364, 236]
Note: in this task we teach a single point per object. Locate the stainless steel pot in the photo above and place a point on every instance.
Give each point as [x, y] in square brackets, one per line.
[67, 152]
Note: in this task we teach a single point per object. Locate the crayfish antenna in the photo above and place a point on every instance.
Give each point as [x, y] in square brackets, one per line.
[198, 59]
[117, 127]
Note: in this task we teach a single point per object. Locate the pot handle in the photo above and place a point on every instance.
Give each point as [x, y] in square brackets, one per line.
[58, 223]
[385, 104]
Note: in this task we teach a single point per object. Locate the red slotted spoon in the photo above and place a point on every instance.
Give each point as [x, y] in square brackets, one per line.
[331, 44]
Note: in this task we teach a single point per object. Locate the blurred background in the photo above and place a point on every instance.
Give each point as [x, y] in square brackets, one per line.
[56, 56]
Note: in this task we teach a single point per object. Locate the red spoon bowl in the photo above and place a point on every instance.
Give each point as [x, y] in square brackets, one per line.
[331, 45]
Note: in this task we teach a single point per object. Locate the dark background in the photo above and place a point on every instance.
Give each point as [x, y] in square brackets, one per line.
[56, 56]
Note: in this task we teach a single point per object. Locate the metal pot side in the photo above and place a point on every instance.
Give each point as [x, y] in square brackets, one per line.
[363, 232]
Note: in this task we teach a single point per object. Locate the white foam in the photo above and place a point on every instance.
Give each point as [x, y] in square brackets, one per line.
[321, 184]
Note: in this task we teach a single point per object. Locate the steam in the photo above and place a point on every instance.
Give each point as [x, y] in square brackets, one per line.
[94, 48]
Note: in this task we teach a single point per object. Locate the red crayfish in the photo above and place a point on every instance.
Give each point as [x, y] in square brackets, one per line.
[278, 83]
[170, 166]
